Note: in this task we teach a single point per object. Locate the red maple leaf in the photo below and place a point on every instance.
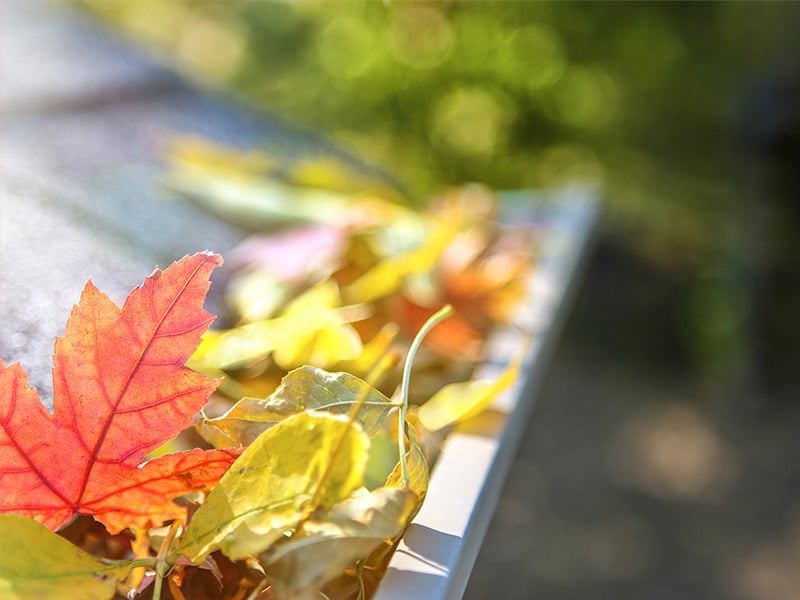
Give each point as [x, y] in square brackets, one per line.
[120, 390]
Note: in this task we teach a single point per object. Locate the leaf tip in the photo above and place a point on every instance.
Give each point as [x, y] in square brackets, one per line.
[211, 257]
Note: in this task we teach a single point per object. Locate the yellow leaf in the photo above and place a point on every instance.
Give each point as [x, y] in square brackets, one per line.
[245, 345]
[306, 388]
[199, 362]
[268, 491]
[255, 294]
[321, 336]
[388, 275]
[372, 351]
[330, 172]
[325, 547]
[37, 563]
[248, 198]
[459, 401]
[311, 330]
[201, 153]
[418, 472]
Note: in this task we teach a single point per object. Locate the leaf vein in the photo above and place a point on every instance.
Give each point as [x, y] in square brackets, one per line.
[147, 343]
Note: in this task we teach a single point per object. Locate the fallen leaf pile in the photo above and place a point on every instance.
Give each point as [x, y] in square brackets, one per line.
[309, 463]
[308, 489]
[347, 279]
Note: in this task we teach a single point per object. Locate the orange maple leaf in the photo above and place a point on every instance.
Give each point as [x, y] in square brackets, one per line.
[120, 390]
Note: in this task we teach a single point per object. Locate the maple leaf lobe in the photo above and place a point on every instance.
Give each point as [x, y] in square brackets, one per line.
[120, 390]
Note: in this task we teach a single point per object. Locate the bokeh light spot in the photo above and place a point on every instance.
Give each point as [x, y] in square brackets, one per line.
[347, 48]
[471, 121]
[674, 453]
[535, 56]
[420, 36]
[479, 44]
[211, 44]
[584, 96]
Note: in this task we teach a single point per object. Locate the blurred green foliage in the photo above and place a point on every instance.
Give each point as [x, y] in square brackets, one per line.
[639, 99]
[511, 94]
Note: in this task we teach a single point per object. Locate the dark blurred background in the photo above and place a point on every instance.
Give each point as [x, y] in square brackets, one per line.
[659, 462]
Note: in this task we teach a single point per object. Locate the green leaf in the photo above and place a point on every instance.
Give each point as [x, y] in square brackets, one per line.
[460, 401]
[306, 388]
[268, 491]
[382, 458]
[325, 547]
[37, 563]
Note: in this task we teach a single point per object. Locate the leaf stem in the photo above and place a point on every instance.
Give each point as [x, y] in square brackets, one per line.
[436, 318]
[159, 580]
[162, 565]
[146, 561]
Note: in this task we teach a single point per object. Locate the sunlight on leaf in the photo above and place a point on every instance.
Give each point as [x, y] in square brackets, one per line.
[323, 171]
[252, 202]
[266, 492]
[37, 563]
[120, 391]
[418, 471]
[464, 399]
[321, 336]
[382, 458]
[202, 153]
[268, 270]
[388, 275]
[372, 351]
[256, 295]
[330, 172]
[198, 362]
[310, 330]
[306, 388]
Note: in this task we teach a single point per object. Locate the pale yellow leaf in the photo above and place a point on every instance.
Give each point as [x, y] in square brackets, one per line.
[267, 491]
[459, 401]
[326, 546]
[310, 330]
[305, 388]
[418, 471]
[388, 275]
